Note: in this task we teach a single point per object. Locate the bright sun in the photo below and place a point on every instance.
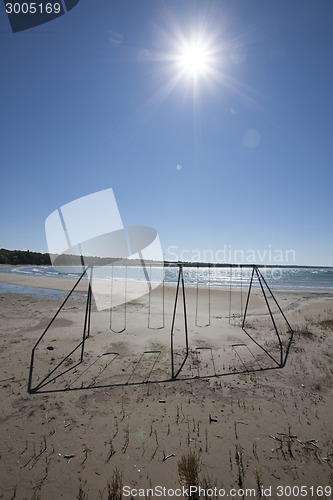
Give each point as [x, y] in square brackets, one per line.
[194, 59]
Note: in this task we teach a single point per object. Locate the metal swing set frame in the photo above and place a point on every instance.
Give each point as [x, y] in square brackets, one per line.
[180, 297]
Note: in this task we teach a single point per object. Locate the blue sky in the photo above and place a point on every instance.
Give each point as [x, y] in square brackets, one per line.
[236, 159]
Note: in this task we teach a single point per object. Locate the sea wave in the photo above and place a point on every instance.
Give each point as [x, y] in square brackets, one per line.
[296, 278]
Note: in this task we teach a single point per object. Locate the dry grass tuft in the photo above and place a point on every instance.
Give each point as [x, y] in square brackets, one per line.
[115, 486]
[303, 331]
[327, 324]
[189, 467]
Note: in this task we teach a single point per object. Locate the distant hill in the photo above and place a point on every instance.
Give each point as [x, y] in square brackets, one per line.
[18, 257]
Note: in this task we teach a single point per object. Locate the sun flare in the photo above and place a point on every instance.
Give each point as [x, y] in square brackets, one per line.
[194, 59]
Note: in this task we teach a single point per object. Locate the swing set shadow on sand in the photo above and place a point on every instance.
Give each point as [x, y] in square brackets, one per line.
[68, 372]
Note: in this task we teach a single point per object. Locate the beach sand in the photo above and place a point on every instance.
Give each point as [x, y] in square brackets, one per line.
[253, 423]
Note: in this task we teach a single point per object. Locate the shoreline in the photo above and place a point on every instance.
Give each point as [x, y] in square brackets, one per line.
[66, 283]
[52, 283]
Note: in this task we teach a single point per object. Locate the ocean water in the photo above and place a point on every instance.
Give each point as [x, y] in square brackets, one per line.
[45, 293]
[278, 278]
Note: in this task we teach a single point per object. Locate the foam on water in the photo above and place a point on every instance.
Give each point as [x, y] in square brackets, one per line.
[280, 278]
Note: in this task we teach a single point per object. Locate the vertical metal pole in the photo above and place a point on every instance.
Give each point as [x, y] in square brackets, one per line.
[283, 315]
[241, 283]
[90, 288]
[111, 295]
[230, 293]
[149, 299]
[208, 295]
[276, 302]
[272, 317]
[175, 375]
[86, 326]
[248, 297]
[163, 309]
[173, 324]
[197, 297]
[185, 319]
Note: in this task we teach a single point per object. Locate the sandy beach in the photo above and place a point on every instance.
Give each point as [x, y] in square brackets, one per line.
[256, 426]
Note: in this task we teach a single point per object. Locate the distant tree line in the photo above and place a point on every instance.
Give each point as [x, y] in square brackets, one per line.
[19, 257]
[25, 257]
